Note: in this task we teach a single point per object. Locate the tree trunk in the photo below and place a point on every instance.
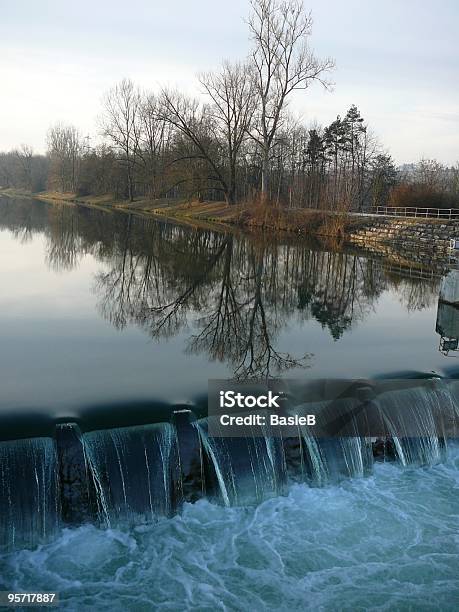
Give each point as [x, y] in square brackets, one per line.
[129, 181]
[265, 176]
[230, 197]
[230, 193]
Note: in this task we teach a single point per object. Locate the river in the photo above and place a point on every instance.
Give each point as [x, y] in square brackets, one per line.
[105, 314]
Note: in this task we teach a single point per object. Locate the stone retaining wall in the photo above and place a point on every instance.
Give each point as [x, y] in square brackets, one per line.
[425, 235]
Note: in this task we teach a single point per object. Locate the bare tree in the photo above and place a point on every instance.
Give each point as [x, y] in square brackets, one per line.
[121, 125]
[64, 150]
[193, 121]
[25, 158]
[282, 62]
[155, 139]
[232, 93]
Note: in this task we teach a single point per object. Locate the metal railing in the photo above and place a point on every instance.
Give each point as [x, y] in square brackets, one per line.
[414, 211]
[406, 271]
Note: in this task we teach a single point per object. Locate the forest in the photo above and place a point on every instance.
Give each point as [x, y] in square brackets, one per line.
[238, 142]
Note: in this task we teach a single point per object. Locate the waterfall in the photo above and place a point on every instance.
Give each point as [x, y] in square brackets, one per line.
[29, 500]
[419, 420]
[325, 459]
[134, 471]
[243, 470]
[135, 474]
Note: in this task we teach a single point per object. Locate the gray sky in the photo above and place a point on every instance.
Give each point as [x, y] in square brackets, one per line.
[397, 60]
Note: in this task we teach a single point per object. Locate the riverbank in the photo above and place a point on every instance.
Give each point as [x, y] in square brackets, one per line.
[254, 216]
[407, 236]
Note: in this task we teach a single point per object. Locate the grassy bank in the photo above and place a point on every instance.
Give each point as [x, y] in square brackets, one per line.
[254, 216]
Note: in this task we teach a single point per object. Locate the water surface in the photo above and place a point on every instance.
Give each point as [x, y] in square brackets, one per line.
[98, 308]
[107, 309]
[389, 542]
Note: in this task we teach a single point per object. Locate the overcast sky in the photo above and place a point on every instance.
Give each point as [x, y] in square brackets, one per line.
[397, 60]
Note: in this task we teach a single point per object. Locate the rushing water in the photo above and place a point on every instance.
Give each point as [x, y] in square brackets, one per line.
[386, 542]
[109, 319]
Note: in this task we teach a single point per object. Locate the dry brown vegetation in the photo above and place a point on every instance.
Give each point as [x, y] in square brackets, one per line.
[423, 196]
[300, 221]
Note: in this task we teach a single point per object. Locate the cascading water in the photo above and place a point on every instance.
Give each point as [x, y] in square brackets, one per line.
[134, 471]
[243, 470]
[130, 475]
[29, 500]
[323, 460]
[419, 421]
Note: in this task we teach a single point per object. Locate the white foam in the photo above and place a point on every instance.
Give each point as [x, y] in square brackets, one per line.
[389, 542]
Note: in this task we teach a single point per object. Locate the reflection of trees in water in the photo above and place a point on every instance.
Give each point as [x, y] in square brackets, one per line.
[234, 295]
[207, 280]
[240, 321]
[415, 293]
[65, 247]
[338, 289]
[20, 220]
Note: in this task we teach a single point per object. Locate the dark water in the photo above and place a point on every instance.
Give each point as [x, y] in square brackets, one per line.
[100, 308]
[106, 313]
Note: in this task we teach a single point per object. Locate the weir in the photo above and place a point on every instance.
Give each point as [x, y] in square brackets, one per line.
[135, 474]
[29, 491]
[133, 471]
[242, 470]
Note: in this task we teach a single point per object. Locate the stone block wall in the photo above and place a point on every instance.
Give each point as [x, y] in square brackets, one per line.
[427, 235]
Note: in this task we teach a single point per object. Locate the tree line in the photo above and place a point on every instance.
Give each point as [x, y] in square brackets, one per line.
[238, 143]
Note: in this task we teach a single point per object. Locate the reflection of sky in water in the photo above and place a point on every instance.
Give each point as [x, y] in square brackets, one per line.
[388, 340]
[57, 351]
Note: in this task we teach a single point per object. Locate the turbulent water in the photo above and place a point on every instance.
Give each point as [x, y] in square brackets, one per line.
[390, 541]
